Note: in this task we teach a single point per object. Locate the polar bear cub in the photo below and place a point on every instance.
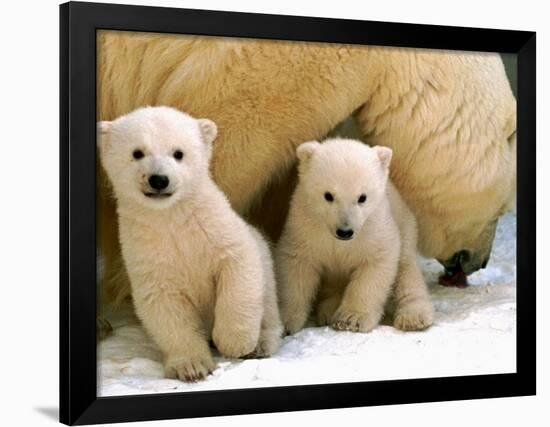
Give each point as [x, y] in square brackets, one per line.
[197, 270]
[348, 242]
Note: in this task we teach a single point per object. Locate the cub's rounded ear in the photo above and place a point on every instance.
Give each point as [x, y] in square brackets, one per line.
[103, 130]
[208, 129]
[384, 154]
[305, 150]
[103, 127]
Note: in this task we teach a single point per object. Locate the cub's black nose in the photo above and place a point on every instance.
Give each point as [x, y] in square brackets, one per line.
[158, 182]
[344, 234]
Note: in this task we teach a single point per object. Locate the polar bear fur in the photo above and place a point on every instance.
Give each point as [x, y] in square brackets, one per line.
[451, 122]
[348, 239]
[448, 116]
[197, 270]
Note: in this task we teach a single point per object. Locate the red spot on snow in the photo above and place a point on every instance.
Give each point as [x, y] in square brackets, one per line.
[457, 279]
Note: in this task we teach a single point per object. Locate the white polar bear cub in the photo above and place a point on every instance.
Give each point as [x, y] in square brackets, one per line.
[348, 241]
[197, 270]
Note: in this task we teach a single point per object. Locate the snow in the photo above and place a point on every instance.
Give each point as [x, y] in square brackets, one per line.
[474, 333]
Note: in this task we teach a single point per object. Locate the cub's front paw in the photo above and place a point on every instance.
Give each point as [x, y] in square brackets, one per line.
[189, 369]
[354, 321]
[293, 322]
[326, 310]
[414, 316]
[268, 344]
[234, 343]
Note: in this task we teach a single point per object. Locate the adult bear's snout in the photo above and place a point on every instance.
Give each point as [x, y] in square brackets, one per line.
[465, 261]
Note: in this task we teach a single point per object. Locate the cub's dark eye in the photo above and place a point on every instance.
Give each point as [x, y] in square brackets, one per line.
[329, 197]
[178, 154]
[137, 154]
[362, 198]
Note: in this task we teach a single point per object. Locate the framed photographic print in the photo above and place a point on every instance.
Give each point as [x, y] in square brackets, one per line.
[267, 213]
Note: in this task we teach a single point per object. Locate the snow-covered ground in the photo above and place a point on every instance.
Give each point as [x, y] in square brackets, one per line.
[474, 333]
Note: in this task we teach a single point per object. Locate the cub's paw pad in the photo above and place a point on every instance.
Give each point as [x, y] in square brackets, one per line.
[414, 318]
[189, 370]
[353, 321]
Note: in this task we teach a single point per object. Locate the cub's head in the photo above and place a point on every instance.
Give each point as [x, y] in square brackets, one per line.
[341, 182]
[155, 156]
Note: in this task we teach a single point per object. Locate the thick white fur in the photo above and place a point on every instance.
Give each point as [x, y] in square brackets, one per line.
[448, 116]
[450, 119]
[350, 280]
[196, 269]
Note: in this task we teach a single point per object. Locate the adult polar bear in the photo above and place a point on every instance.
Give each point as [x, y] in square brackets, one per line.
[448, 116]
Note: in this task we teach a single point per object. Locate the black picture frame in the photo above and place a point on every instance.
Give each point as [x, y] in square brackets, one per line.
[79, 403]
